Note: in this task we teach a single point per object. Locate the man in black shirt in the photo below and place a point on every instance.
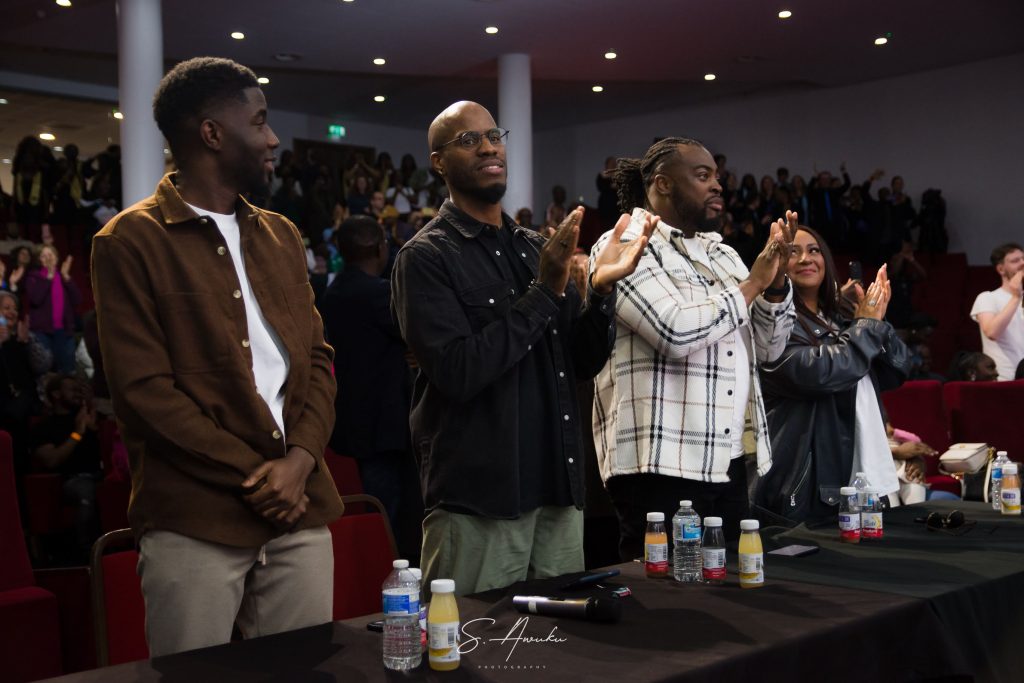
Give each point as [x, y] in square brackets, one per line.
[66, 442]
[501, 337]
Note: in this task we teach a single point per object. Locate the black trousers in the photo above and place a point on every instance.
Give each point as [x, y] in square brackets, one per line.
[634, 495]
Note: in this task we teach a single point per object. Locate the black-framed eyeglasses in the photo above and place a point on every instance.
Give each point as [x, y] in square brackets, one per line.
[955, 522]
[471, 139]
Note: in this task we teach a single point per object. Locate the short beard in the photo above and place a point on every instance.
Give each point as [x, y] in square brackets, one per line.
[491, 194]
[695, 215]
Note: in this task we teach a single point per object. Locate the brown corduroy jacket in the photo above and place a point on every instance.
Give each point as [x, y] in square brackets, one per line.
[177, 358]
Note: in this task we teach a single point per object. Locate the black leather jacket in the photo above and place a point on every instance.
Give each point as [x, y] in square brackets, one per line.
[810, 398]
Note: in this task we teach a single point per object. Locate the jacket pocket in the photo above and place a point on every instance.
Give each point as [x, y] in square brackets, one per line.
[486, 303]
[195, 328]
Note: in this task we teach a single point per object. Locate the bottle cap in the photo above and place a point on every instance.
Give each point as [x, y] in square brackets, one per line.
[417, 572]
[400, 564]
[1010, 468]
[712, 521]
[871, 489]
[442, 586]
[655, 516]
[848, 491]
[686, 503]
[862, 475]
[747, 525]
[998, 453]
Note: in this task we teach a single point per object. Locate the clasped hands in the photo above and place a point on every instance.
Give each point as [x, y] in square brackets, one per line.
[769, 269]
[276, 490]
[616, 260]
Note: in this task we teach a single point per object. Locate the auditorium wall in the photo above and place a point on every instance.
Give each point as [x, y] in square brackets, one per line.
[958, 129]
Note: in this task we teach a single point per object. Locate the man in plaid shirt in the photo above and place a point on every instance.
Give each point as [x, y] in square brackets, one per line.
[678, 405]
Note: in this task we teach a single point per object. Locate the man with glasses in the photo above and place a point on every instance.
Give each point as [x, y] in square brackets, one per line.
[501, 336]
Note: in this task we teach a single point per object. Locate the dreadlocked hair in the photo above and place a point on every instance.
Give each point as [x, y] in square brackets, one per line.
[634, 176]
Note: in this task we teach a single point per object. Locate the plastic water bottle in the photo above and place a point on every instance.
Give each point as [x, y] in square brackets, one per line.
[997, 480]
[686, 559]
[713, 551]
[871, 523]
[860, 482]
[401, 593]
[418, 573]
[849, 514]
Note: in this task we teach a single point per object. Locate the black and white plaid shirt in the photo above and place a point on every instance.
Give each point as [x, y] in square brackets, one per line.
[664, 401]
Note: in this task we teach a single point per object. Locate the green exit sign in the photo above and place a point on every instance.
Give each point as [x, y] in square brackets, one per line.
[335, 131]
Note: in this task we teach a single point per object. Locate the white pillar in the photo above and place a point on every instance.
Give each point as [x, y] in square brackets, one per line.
[515, 107]
[140, 66]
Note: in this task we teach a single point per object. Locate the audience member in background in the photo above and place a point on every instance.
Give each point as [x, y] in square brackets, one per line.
[932, 219]
[998, 313]
[501, 336]
[33, 187]
[557, 210]
[903, 208]
[19, 397]
[825, 195]
[401, 196]
[973, 366]
[356, 168]
[824, 412]
[908, 454]
[782, 177]
[524, 217]
[358, 199]
[1020, 370]
[921, 362]
[407, 170]
[385, 172]
[904, 272]
[11, 278]
[801, 202]
[52, 297]
[220, 378]
[66, 442]
[607, 195]
[374, 386]
[679, 410]
[376, 208]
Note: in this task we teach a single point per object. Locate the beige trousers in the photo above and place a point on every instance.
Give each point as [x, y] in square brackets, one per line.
[195, 590]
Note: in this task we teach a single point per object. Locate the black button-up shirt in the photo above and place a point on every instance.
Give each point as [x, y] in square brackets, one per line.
[495, 420]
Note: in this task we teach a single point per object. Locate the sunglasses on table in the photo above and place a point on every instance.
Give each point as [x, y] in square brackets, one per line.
[953, 523]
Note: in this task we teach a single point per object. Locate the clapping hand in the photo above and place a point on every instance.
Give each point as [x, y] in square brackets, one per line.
[876, 298]
[556, 254]
[617, 259]
[65, 268]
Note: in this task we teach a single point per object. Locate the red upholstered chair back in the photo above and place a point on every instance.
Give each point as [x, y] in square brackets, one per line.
[364, 549]
[951, 400]
[917, 407]
[15, 569]
[119, 612]
[992, 412]
[345, 472]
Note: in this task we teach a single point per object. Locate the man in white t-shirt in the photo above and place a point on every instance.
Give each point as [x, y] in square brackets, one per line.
[678, 406]
[999, 314]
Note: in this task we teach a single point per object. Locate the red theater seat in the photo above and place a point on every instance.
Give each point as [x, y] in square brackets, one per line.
[364, 549]
[119, 612]
[917, 407]
[991, 412]
[29, 619]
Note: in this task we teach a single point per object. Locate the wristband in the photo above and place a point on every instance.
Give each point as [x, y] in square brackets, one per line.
[779, 291]
[75, 436]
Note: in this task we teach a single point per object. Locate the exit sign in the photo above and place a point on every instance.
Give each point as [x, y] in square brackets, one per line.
[335, 131]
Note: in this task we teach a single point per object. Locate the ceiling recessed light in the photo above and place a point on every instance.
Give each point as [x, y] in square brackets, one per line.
[881, 40]
[238, 35]
[3, 100]
[118, 115]
[491, 30]
[378, 98]
[348, 0]
[785, 14]
[610, 54]
[64, 3]
[47, 136]
[380, 61]
[709, 77]
[598, 88]
[263, 80]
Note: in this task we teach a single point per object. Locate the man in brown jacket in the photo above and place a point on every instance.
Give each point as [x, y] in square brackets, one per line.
[220, 377]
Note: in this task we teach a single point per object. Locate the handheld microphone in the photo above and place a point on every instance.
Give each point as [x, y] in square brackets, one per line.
[590, 609]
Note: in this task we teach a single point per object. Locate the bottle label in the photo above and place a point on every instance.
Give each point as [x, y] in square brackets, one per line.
[691, 532]
[1011, 501]
[401, 602]
[997, 473]
[872, 523]
[713, 563]
[443, 639]
[849, 524]
[751, 569]
[656, 557]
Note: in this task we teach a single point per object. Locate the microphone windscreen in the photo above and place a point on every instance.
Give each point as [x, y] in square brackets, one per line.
[604, 609]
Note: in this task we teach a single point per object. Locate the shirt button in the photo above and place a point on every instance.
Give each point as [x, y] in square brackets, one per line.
[561, 374]
[237, 294]
[245, 343]
[726, 430]
[554, 331]
[276, 434]
[221, 251]
[729, 392]
[497, 253]
[513, 291]
[565, 417]
[570, 461]
[529, 347]
[728, 353]
[204, 220]
[523, 254]
[491, 301]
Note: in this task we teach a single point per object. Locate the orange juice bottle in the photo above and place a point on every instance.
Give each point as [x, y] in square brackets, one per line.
[656, 546]
[751, 555]
[443, 626]
[1010, 491]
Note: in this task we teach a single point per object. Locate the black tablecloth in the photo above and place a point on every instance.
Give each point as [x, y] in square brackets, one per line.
[900, 609]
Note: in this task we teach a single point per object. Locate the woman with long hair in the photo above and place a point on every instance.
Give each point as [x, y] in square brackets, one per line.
[52, 297]
[821, 395]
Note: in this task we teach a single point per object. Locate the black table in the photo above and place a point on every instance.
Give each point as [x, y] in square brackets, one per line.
[918, 605]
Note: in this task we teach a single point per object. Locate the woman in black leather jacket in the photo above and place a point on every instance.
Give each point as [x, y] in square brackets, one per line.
[818, 434]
